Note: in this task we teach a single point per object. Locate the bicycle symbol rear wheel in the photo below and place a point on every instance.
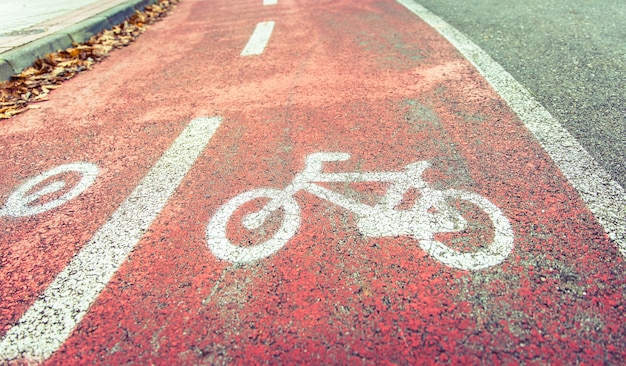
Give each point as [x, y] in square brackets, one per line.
[496, 252]
[223, 248]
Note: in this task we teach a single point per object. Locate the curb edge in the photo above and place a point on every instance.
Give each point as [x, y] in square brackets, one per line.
[14, 61]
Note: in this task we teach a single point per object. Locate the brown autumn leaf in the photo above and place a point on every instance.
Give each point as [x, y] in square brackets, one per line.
[34, 84]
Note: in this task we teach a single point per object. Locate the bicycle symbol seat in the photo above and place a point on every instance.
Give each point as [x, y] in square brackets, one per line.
[430, 214]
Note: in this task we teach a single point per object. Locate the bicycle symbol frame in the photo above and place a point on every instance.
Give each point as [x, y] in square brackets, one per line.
[429, 215]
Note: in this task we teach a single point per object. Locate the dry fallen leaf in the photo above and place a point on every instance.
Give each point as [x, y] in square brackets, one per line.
[34, 83]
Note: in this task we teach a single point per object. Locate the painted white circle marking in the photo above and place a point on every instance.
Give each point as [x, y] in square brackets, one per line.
[20, 202]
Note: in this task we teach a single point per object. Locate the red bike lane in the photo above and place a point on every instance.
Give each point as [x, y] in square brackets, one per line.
[367, 79]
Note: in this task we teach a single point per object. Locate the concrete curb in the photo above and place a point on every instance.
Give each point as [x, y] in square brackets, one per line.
[14, 61]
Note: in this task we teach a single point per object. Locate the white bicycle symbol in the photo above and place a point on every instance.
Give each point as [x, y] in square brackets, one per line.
[430, 214]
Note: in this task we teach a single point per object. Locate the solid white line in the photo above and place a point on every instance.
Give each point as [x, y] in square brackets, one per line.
[258, 40]
[605, 198]
[270, 2]
[50, 320]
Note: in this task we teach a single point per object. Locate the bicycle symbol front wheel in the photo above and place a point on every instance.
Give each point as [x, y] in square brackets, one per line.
[496, 252]
[223, 248]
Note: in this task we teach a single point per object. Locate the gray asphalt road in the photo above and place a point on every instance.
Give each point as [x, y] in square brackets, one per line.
[570, 54]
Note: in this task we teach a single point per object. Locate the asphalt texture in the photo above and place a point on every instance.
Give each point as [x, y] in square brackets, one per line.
[570, 55]
[406, 214]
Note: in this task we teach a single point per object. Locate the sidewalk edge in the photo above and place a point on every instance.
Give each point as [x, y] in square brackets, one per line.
[14, 61]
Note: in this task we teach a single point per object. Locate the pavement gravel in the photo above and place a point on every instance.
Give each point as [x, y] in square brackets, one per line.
[570, 55]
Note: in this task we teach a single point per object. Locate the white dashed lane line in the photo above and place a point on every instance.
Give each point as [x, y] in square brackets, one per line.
[258, 40]
[52, 318]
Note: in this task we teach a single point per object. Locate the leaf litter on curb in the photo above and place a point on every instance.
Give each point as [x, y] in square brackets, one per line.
[34, 83]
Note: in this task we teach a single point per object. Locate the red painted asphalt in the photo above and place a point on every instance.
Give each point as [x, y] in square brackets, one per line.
[369, 79]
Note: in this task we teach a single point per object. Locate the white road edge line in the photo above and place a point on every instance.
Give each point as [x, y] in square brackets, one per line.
[270, 2]
[48, 323]
[605, 198]
[257, 42]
